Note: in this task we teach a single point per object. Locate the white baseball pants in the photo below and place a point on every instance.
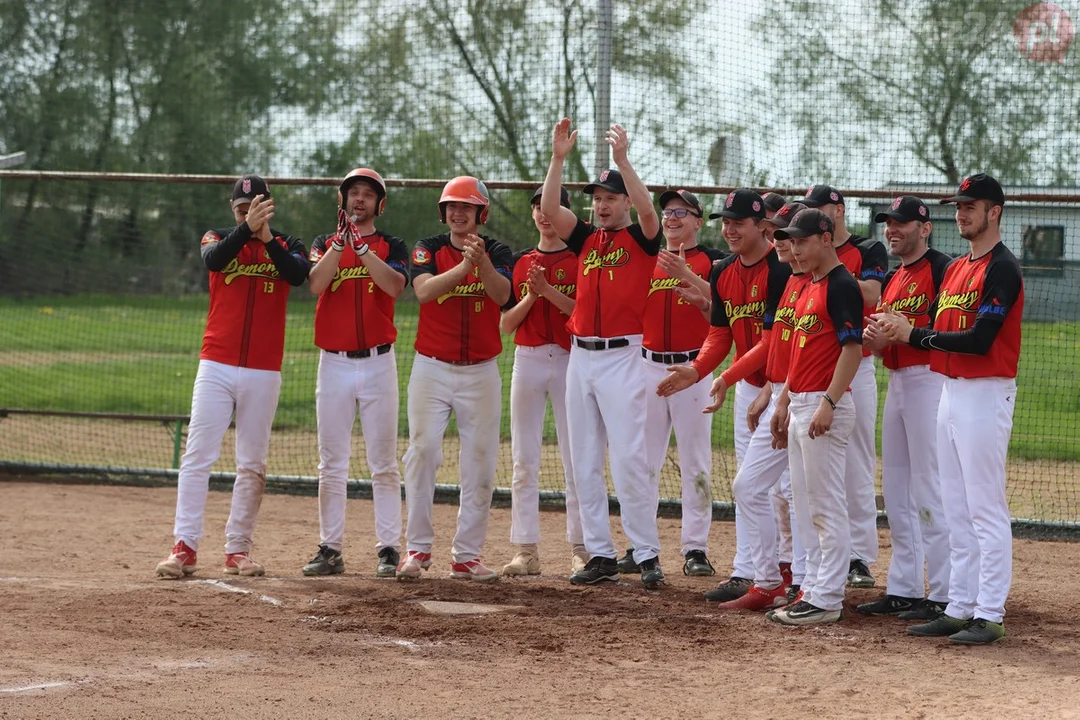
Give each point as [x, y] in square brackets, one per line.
[605, 406]
[789, 542]
[817, 484]
[861, 464]
[911, 486]
[974, 425]
[343, 385]
[474, 394]
[743, 564]
[693, 438]
[539, 375]
[220, 389]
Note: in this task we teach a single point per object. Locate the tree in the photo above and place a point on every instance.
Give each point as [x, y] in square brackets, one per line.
[941, 81]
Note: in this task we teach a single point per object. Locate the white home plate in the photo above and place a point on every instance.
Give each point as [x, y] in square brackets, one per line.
[441, 607]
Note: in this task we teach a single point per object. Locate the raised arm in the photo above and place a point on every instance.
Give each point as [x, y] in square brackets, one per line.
[635, 188]
[562, 219]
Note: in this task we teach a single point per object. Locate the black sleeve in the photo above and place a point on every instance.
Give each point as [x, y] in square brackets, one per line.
[875, 260]
[580, 234]
[292, 261]
[939, 263]
[423, 258]
[719, 317]
[714, 254]
[502, 257]
[779, 273]
[976, 340]
[217, 253]
[845, 304]
[651, 246]
[398, 256]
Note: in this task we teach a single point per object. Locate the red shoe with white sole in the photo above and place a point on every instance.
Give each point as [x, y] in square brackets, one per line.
[241, 564]
[412, 565]
[473, 570]
[180, 563]
[759, 600]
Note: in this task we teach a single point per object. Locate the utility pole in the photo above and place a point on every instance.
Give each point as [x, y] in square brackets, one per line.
[602, 119]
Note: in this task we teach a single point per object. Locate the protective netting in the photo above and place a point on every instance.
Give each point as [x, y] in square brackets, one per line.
[103, 295]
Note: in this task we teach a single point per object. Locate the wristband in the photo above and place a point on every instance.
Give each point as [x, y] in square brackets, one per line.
[337, 245]
[362, 250]
[826, 398]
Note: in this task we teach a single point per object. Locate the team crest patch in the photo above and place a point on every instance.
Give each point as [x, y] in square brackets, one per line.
[823, 225]
[911, 288]
[971, 282]
[604, 175]
[265, 254]
[730, 200]
[922, 211]
[210, 237]
[421, 256]
[896, 203]
[810, 304]
[809, 191]
[965, 185]
[785, 211]
[834, 197]
[246, 187]
[753, 291]
[757, 206]
[560, 274]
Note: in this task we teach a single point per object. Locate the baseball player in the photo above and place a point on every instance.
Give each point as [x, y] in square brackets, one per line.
[909, 468]
[975, 344]
[867, 260]
[357, 273]
[461, 280]
[543, 290]
[815, 415]
[251, 268]
[742, 286]
[674, 331]
[605, 379]
[773, 202]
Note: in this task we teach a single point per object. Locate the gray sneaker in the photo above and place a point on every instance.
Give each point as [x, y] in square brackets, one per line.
[980, 632]
[325, 562]
[942, 626]
[388, 562]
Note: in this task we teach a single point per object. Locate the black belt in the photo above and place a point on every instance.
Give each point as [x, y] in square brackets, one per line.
[601, 344]
[669, 358]
[361, 354]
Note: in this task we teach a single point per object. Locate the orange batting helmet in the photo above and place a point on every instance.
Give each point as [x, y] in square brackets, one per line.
[363, 175]
[466, 189]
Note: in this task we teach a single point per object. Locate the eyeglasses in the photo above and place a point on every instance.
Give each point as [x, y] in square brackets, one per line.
[678, 212]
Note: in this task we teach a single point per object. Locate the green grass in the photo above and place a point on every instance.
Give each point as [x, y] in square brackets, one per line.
[139, 355]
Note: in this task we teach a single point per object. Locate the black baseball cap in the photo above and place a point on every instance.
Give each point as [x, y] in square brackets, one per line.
[806, 223]
[978, 187]
[784, 215]
[610, 180]
[773, 201]
[564, 197]
[247, 187]
[686, 196]
[741, 203]
[819, 195]
[905, 209]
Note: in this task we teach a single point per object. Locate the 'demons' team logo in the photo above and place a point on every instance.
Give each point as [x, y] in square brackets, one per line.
[348, 273]
[464, 290]
[964, 302]
[237, 269]
[747, 311]
[594, 260]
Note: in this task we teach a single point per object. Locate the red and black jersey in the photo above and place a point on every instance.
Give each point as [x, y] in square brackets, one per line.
[828, 315]
[782, 329]
[865, 259]
[673, 325]
[614, 269]
[910, 290]
[249, 288]
[987, 289]
[354, 313]
[462, 325]
[544, 324]
[743, 296]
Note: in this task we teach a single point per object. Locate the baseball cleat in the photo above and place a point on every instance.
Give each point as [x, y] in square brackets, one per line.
[889, 605]
[241, 564]
[926, 610]
[388, 562]
[697, 564]
[979, 632]
[473, 570]
[414, 563]
[731, 589]
[859, 575]
[759, 600]
[794, 593]
[792, 600]
[803, 613]
[943, 626]
[180, 562]
[785, 574]
[652, 576]
[597, 570]
[626, 563]
[525, 562]
[327, 561]
[579, 559]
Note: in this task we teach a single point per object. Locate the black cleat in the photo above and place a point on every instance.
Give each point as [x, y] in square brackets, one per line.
[942, 626]
[626, 563]
[652, 576]
[388, 562]
[889, 605]
[731, 589]
[859, 575]
[325, 562]
[926, 610]
[597, 570]
[793, 593]
[697, 564]
[980, 632]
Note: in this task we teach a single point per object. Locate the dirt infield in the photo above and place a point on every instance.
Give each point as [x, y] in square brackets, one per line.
[88, 631]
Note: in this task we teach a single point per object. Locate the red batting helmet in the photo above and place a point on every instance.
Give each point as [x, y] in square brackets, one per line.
[466, 189]
[363, 175]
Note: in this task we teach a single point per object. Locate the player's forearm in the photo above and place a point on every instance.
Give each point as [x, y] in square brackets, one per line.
[389, 280]
[496, 285]
[511, 320]
[549, 200]
[562, 303]
[716, 348]
[846, 367]
[976, 340]
[749, 363]
[290, 263]
[871, 292]
[322, 274]
[430, 287]
[694, 280]
[217, 255]
[641, 199]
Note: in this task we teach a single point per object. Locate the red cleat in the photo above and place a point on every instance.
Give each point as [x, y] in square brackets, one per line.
[785, 574]
[758, 600]
[180, 563]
